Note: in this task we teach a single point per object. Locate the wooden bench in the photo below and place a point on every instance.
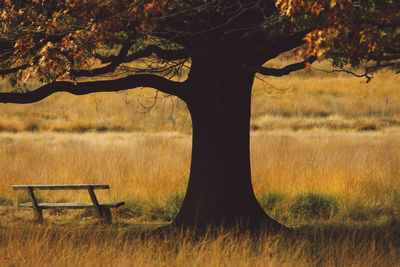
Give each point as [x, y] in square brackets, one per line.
[102, 209]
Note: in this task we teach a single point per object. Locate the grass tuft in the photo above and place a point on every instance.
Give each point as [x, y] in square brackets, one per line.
[32, 127]
[367, 127]
[313, 206]
[166, 211]
[131, 209]
[5, 201]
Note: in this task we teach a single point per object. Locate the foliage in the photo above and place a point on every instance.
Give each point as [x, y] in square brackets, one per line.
[56, 37]
[351, 31]
[51, 40]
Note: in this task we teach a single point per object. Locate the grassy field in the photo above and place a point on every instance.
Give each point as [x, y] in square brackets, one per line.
[325, 155]
[304, 101]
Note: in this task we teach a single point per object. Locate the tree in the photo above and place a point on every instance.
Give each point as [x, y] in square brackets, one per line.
[222, 44]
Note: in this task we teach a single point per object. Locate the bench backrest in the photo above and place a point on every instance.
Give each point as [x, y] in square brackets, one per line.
[62, 187]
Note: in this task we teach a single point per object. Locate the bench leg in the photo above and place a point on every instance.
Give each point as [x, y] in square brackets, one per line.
[103, 212]
[38, 215]
[105, 215]
[36, 209]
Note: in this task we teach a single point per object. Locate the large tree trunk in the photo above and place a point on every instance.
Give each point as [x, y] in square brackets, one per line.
[220, 191]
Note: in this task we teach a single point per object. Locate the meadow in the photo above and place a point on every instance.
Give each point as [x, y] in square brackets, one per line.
[325, 155]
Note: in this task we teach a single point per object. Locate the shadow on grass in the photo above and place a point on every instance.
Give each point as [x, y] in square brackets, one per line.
[319, 244]
[384, 233]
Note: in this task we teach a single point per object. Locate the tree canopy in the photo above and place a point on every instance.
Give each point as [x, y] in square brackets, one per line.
[351, 31]
[52, 40]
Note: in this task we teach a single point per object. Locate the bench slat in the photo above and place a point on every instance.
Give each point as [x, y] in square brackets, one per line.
[62, 187]
[72, 205]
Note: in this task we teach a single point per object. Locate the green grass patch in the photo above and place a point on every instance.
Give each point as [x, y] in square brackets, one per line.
[367, 127]
[167, 210]
[313, 206]
[32, 127]
[275, 204]
[131, 209]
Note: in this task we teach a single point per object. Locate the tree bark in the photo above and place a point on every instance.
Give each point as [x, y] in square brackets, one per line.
[220, 191]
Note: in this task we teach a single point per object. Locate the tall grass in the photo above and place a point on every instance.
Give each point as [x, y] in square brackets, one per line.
[135, 165]
[359, 171]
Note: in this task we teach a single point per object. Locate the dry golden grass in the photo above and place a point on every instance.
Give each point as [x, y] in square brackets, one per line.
[359, 169]
[135, 165]
[333, 102]
[349, 165]
[303, 101]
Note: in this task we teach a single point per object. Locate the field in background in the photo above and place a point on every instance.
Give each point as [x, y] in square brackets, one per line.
[325, 155]
[302, 101]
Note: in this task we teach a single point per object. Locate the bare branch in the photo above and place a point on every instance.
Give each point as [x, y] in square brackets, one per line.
[286, 70]
[368, 70]
[148, 108]
[83, 88]
[342, 69]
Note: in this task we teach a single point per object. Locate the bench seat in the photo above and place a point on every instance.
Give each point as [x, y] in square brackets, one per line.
[62, 187]
[72, 205]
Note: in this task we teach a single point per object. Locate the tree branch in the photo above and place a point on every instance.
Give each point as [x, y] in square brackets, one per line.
[114, 63]
[286, 70]
[6, 45]
[15, 69]
[368, 73]
[83, 88]
[122, 57]
[148, 51]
